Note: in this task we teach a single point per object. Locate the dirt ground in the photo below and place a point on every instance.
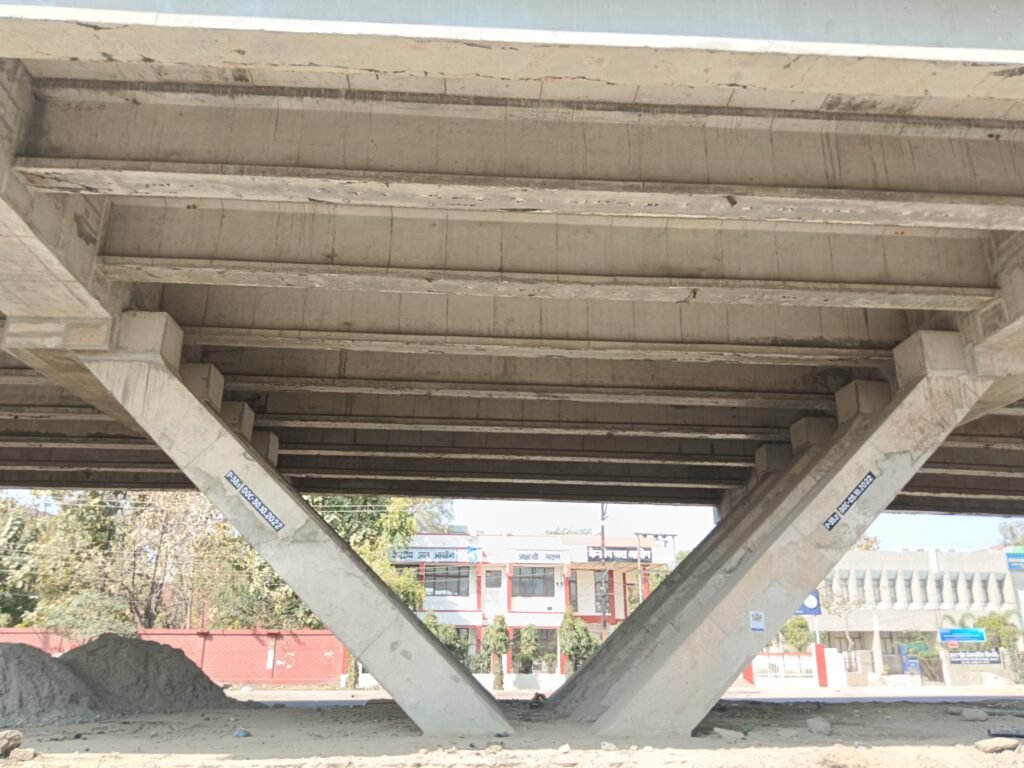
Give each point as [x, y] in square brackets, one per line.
[377, 734]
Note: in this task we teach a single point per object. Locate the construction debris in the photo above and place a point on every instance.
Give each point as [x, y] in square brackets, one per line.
[996, 745]
[9, 740]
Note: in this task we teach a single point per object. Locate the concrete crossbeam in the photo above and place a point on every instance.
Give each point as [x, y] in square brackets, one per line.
[755, 580]
[593, 247]
[434, 689]
[487, 194]
[581, 141]
[527, 391]
[533, 347]
[768, 69]
[467, 283]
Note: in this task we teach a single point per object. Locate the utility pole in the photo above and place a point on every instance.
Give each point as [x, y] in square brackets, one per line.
[604, 576]
[639, 573]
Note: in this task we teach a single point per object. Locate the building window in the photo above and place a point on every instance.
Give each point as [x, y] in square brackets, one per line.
[546, 657]
[601, 584]
[493, 579]
[446, 581]
[574, 595]
[468, 638]
[533, 582]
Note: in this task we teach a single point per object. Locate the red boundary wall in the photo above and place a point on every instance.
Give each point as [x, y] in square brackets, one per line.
[240, 657]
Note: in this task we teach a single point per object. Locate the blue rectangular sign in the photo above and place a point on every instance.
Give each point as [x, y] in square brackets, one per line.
[962, 635]
[1015, 561]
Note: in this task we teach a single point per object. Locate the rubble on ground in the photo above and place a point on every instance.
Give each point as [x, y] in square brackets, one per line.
[996, 744]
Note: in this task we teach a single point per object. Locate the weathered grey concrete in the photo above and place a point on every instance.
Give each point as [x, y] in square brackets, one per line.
[648, 680]
[468, 263]
[433, 688]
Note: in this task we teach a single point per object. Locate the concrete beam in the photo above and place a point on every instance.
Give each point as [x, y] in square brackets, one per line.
[533, 347]
[758, 578]
[485, 194]
[518, 427]
[414, 133]
[258, 274]
[768, 68]
[434, 689]
[597, 247]
[527, 391]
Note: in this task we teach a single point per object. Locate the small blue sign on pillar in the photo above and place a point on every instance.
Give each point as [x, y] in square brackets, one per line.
[1015, 561]
[811, 606]
[962, 635]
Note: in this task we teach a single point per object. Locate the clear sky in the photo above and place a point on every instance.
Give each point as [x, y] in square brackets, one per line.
[691, 524]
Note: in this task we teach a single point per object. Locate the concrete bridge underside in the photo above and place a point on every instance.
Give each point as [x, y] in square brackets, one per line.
[589, 270]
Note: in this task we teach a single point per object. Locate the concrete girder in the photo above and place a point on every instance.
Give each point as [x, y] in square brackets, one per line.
[431, 686]
[255, 274]
[533, 347]
[768, 69]
[506, 138]
[788, 545]
[540, 196]
[528, 391]
[396, 239]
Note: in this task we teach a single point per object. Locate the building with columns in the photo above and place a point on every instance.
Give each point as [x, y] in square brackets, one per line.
[470, 579]
[883, 599]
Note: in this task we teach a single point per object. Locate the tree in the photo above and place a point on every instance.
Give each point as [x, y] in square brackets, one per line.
[448, 635]
[867, 544]
[577, 641]
[840, 606]
[256, 596]
[526, 648]
[1012, 532]
[495, 642]
[1000, 631]
[796, 633]
[171, 560]
[19, 529]
[88, 614]
[658, 575]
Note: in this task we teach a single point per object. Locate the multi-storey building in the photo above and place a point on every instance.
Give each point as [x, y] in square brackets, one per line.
[470, 579]
[878, 600]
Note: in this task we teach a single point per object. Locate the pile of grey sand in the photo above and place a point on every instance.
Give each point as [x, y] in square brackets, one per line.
[109, 676]
[37, 689]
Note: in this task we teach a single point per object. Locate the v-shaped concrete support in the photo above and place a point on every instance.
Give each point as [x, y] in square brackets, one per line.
[434, 689]
[665, 668]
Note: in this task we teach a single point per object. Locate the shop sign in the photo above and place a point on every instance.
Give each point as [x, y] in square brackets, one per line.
[619, 554]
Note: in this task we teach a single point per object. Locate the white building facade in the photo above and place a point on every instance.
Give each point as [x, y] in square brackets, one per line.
[532, 580]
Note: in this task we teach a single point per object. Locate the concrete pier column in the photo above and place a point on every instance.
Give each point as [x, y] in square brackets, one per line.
[667, 672]
[433, 688]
